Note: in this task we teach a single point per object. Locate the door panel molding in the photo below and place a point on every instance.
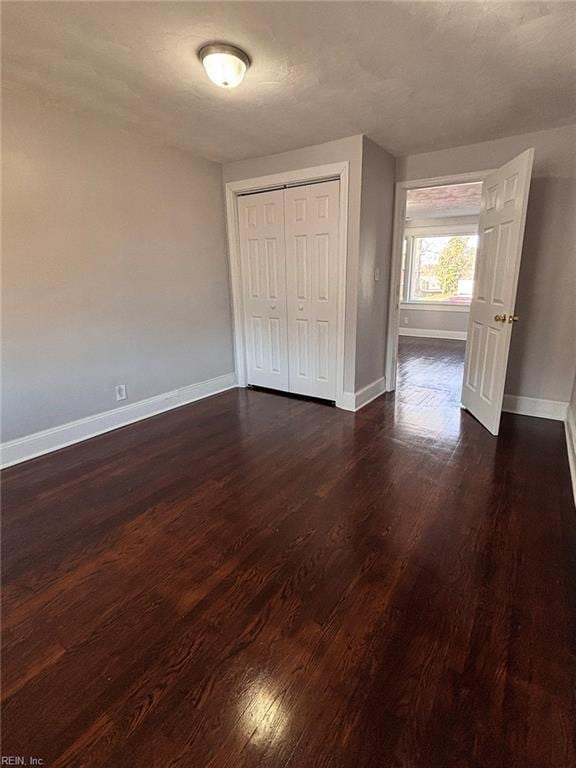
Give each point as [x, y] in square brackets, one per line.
[263, 267]
[311, 227]
[492, 309]
[303, 176]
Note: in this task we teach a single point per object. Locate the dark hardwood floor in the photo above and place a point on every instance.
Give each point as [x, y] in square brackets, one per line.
[258, 581]
[429, 384]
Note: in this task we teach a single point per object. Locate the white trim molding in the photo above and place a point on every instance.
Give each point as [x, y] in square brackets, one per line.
[440, 221]
[370, 392]
[533, 406]
[570, 426]
[348, 401]
[39, 443]
[432, 333]
[354, 401]
[422, 306]
[260, 184]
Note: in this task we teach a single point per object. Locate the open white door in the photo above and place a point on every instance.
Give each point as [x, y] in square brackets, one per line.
[501, 232]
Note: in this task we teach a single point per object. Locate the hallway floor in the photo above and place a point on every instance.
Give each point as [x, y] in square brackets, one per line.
[429, 384]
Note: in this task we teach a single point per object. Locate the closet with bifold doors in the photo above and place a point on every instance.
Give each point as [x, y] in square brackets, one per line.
[289, 249]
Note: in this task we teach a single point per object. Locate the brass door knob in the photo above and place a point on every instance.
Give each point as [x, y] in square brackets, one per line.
[500, 318]
[513, 318]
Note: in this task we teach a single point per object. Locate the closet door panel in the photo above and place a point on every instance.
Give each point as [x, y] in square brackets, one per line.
[311, 219]
[263, 265]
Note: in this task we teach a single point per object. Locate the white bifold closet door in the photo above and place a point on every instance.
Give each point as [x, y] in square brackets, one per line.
[289, 246]
[263, 264]
[312, 281]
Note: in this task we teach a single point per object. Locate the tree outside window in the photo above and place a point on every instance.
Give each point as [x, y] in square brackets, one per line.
[441, 268]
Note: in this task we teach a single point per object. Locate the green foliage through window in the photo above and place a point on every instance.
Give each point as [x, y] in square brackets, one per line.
[439, 268]
[456, 263]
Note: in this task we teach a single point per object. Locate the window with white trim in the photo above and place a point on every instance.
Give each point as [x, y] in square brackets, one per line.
[438, 266]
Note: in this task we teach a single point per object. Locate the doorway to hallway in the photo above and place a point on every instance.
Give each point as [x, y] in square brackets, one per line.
[478, 272]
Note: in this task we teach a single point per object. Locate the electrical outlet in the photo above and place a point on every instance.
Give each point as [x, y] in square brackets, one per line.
[406, 321]
[121, 392]
[376, 275]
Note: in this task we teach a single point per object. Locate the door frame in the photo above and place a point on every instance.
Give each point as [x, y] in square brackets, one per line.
[401, 188]
[233, 189]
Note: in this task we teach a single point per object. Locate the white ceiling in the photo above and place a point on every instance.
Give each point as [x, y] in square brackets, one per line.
[412, 76]
[445, 201]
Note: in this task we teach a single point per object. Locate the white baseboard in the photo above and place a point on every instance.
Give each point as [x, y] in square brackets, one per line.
[355, 401]
[369, 393]
[348, 401]
[532, 406]
[570, 425]
[39, 443]
[429, 333]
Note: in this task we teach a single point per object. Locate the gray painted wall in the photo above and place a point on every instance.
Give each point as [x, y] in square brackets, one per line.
[543, 352]
[114, 268]
[433, 319]
[376, 224]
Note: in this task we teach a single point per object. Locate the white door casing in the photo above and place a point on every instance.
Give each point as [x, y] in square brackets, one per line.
[312, 224]
[234, 190]
[263, 267]
[491, 319]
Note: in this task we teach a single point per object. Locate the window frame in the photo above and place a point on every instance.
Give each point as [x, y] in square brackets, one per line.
[441, 230]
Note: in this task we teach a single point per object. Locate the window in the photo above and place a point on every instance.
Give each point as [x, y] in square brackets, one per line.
[438, 268]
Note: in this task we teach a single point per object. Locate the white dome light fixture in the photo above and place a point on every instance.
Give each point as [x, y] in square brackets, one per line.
[225, 64]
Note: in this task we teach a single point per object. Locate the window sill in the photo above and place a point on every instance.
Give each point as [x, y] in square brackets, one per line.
[437, 306]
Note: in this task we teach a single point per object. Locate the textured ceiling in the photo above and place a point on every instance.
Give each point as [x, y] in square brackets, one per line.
[439, 202]
[412, 76]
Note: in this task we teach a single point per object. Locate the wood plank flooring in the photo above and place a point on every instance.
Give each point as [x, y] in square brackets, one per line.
[259, 581]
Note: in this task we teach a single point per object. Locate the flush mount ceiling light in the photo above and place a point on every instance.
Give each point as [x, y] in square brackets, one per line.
[225, 64]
